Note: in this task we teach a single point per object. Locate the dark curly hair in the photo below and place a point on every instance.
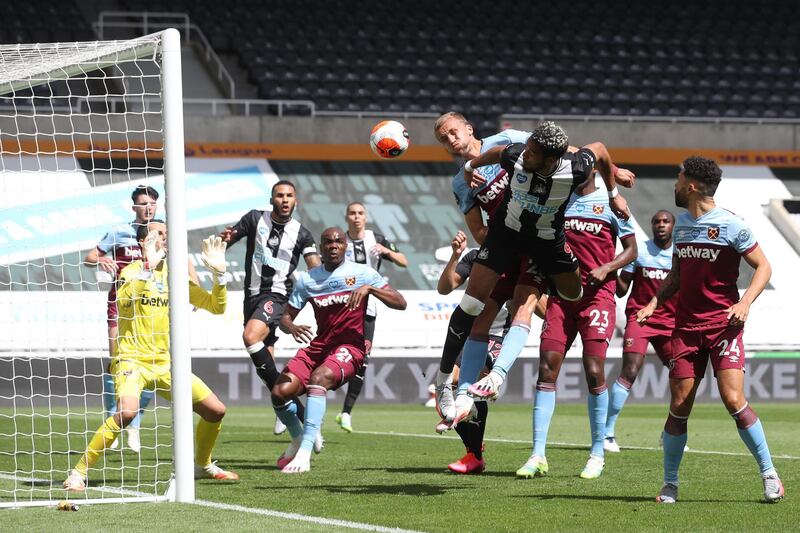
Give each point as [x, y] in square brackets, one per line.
[704, 171]
[552, 138]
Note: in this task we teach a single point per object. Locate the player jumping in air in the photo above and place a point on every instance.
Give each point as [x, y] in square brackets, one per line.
[142, 358]
[529, 222]
[591, 232]
[644, 276]
[368, 248]
[338, 291]
[709, 243]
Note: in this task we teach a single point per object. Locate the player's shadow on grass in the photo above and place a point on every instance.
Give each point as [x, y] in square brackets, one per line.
[599, 497]
[431, 470]
[412, 489]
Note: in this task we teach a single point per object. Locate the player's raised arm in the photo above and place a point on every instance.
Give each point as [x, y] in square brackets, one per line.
[301, 333]
[667, 289]
[451, 278]
[607, 171]
[738, 312]
[489, 157]
[213, 257]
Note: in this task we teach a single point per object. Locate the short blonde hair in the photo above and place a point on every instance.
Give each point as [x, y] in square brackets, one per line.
[447, 116]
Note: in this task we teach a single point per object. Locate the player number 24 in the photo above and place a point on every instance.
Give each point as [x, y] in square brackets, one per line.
[724, 350]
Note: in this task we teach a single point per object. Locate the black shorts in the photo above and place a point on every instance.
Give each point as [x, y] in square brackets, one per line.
[267, 308]
[504, 247]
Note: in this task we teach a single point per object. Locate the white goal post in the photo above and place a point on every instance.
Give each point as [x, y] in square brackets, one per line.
[78, 132]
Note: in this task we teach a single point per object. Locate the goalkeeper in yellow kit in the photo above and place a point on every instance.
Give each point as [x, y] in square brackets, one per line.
[142, 357]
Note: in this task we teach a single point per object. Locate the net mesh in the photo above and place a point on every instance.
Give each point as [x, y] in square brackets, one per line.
[80, 128]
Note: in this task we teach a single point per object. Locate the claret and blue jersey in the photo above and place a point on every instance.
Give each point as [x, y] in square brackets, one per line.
[329, 294]
[490, 195]
[651, 267]
[709, 249]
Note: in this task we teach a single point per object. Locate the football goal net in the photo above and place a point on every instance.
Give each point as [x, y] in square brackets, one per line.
[84, 127]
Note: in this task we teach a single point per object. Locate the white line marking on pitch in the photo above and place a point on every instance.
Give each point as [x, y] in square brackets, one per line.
[569, 444]
[303, 518]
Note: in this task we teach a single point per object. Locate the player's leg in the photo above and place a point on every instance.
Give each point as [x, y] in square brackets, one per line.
[551, 356]
[594, 354]
[355, 385]
[497, 254]
[211, 410]
[727, 358]
[471, 433]
[290, 385]
[631, 365]
[129, 381]
[340, 364]
[528, 290]
[473, 359]
[682, 394]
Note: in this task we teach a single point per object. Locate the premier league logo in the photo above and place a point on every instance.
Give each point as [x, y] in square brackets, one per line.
[334, 284]
[521, 177]
[350, 281]
[160, 286]
[597, 209]
[713, 232]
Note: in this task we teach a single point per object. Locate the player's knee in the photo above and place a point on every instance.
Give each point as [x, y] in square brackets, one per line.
[322, 379]
[251, 337]
[471, 305]
[629, 372]
[126, 416]
[733, 400]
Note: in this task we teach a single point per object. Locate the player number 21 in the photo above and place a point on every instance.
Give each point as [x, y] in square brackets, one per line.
[343, 355]
[595, 314]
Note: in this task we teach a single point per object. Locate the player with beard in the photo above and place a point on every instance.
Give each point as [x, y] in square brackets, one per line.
[275, 243]
[709, 243]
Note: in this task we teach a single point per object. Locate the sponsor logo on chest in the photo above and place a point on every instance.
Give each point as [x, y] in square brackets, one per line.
[654, 273]
[333, 299]
[575, 224]
[696, 252]
[494, 191]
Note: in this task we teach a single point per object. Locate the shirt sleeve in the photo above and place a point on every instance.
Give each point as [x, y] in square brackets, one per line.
[374, 278]
[583, 164]
[740, 236]
[308, 246]
[214, 302]
[510, 155]
[108, 242]
[464, 266]
[465, 197]
[630, 267]
[244, 226]
[383, 241]
[624, 228]
[299, 293]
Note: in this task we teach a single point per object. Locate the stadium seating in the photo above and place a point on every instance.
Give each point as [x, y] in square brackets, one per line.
[710, 59]
[488, 58]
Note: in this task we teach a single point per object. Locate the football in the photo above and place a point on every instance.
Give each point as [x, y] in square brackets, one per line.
[389, 139]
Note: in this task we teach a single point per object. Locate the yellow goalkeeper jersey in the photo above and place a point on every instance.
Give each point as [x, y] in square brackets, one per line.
[143, 304]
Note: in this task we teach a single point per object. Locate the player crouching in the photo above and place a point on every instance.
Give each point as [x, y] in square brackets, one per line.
[142, 358]
[338, 291]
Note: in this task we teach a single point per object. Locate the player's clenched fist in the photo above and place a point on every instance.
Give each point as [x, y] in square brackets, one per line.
[213, 254]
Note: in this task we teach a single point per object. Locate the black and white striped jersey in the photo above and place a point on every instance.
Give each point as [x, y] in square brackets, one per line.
[273, 251]
[358, 251]
[534, 204]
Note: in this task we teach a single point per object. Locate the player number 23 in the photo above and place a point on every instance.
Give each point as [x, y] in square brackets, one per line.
[343, 355]
[596, 322]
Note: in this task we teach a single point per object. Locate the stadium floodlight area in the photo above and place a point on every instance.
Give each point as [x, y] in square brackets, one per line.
[78, 132]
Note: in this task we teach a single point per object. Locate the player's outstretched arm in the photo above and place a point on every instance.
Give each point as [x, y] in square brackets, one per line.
[489, 157]
[386, 294]
[450, 279]
[667, 289]
[213, 257]
[299, 332]
[738, 312]
[96, 258]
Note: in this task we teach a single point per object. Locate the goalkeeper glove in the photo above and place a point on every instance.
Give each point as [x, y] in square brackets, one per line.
[153, 255]
[213, 255]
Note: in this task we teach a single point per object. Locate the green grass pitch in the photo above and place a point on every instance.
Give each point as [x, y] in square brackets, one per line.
[392, 472]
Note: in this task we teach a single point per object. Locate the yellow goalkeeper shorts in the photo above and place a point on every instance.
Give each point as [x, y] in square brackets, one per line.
[130, 377]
